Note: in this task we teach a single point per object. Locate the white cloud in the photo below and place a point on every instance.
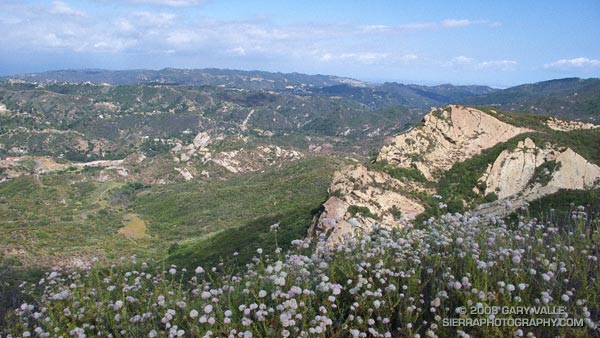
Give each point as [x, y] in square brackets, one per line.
[362, 57]
[10, 21]
[463, 62]
[375, 28]
[153, 19]
[52, 40]
[180, 38]
[497, 64]
[369, 58]
[580, 62]
[61, 8]
[418, 25]
[124, 25]
[238, 51]
[156, 31]
[451, 23]
[427, 25]
[456, 23]
[408, 58]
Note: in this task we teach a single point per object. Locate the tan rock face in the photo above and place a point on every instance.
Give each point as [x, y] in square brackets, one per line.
[513, 171]
[561, 125]
[202, 140]
[446, 137]
[575, 172]
[357, 186]
[512, 176]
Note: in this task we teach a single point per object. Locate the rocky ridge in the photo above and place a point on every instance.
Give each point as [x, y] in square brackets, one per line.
[361, 198]
[529, 172]
[445, 137]
[561, 125]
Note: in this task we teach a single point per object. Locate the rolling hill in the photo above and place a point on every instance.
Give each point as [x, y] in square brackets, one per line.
[570, 98]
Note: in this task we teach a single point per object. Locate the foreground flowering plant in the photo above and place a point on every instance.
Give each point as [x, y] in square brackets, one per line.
[402, 283]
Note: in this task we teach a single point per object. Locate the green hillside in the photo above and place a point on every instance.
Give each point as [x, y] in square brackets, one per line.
[571, 98]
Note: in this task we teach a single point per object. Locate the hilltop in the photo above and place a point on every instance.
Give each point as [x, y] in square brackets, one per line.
[570, 98]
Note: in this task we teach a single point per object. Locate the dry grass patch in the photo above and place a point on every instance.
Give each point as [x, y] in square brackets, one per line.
[135, 227]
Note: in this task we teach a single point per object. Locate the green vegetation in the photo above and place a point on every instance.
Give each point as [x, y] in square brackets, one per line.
[59, 218]
[584, 142]
[543, 173]
[535, 122]
[208, 221]
[399, 283]
[456, 185]
[571, 98]
[362, 211]
[559, 207]
[152, 148]
[402, 174]
[50, 218]
[91, 122]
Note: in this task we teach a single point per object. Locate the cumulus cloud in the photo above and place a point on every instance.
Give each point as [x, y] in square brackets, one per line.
[181, 38]
[577, 63]
[61, 8]
[154, 19]
[149, 31]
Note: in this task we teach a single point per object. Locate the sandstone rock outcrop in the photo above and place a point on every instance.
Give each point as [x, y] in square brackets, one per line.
[360, 198]
[446, 137]
[530, 172]
[514, 172]
[562, 125]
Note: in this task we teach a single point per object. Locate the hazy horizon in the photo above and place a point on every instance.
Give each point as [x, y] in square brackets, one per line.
[369, 81]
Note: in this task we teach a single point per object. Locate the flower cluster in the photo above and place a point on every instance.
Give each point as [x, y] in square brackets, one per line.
[399, 283]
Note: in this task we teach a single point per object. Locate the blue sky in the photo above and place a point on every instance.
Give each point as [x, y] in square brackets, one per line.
[498, 43]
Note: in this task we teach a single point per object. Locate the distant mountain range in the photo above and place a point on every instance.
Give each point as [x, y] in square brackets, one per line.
[373, 95]
[570, 98]
[410, 96]
[253, 80]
